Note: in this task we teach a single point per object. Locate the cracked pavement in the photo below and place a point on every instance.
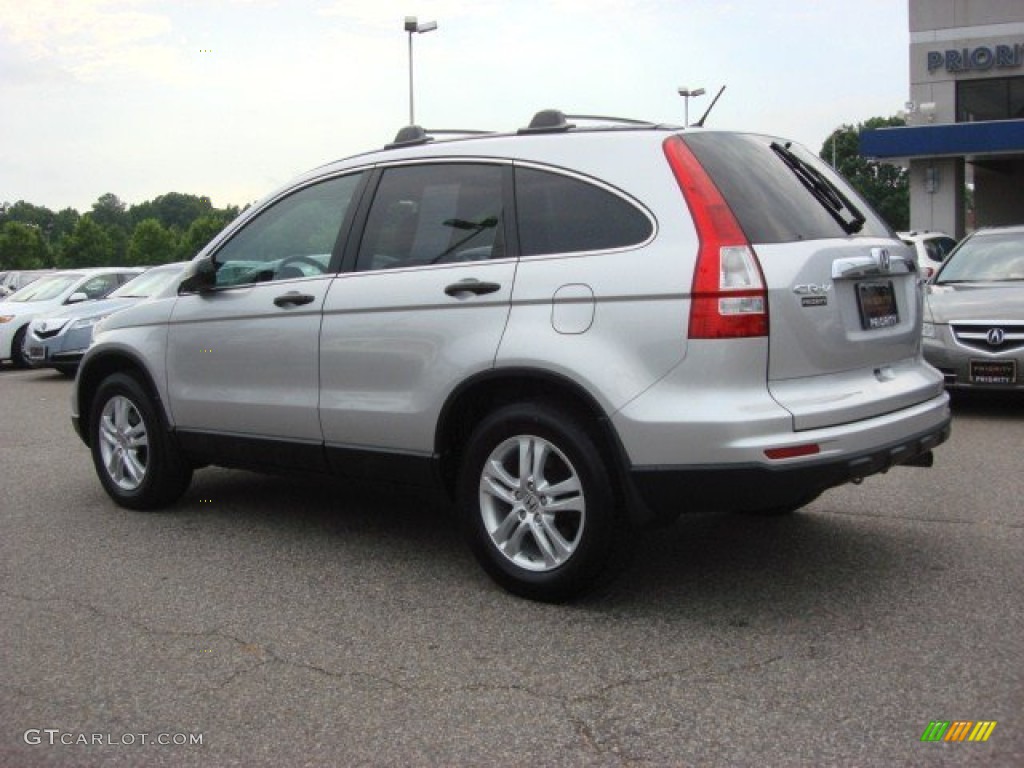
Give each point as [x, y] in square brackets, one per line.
[302, 623]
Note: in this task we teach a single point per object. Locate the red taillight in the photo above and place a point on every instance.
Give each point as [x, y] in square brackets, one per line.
[729, 299]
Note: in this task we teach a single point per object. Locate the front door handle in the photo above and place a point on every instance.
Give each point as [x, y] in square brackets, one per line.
[471, 285]
[293, 299]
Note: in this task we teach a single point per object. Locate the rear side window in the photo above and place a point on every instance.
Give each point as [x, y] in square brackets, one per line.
[561, 214]
[939, 248]
[766, 196]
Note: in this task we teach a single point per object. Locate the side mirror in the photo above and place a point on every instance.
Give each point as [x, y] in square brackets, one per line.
[77, 297]
[200, 276]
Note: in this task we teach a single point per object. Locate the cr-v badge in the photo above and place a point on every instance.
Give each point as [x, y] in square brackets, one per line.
[812, 294]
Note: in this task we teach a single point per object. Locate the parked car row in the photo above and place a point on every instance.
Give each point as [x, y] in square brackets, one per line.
[14, 280]
[36, 321]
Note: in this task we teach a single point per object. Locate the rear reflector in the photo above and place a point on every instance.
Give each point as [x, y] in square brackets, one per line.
[728, 298]
[793, 451]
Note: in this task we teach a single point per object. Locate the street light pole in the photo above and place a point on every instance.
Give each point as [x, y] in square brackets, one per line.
[412, 25]
[688, 94]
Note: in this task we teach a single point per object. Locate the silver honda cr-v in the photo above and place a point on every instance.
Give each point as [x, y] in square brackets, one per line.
[572, 330]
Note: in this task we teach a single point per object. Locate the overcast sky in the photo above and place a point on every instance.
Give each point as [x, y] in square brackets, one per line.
[232, 98]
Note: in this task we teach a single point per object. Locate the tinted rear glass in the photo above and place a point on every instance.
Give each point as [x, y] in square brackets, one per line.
[766, 196]
[560, 214]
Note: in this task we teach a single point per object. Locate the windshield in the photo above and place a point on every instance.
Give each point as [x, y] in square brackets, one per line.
[148, 283]
[45, 288]
[990, 258]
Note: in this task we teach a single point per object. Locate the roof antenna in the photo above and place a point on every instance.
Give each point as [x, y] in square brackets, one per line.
[700, 123]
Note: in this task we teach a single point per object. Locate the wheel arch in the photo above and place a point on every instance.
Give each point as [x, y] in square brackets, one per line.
[17, 354]
[92, 373]
[482, 394]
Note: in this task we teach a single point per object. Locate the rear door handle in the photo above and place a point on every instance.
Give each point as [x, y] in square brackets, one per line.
[293, 299]
[471, 285]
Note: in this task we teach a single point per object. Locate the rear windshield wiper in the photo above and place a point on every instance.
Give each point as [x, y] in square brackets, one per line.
[824, 191]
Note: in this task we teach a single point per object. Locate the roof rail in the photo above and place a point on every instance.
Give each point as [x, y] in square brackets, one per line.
[555, 121]
[617, 120]
[547, 121]
[458, 132]
[409, 136]
[414, 135]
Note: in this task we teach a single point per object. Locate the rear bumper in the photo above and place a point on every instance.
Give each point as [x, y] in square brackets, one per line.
[668, 490]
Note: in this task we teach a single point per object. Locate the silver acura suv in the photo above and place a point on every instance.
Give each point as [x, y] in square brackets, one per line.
[572, 330]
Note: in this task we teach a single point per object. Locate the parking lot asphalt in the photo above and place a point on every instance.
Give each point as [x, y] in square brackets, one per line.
[293, 622]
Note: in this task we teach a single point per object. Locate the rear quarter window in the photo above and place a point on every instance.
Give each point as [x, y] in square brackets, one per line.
[768, 200]
[562, 214]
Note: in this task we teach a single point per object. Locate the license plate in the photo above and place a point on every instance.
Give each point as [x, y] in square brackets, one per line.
[36, 353]
[993, 372]
[877, 302]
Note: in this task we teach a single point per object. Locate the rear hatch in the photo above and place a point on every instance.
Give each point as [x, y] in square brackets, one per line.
[843, 295]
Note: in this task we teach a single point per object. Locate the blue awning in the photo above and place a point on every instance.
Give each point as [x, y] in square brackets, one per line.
[997, 137]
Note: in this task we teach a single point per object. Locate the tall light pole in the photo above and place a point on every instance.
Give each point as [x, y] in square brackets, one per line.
[688, 94]
[411, 26]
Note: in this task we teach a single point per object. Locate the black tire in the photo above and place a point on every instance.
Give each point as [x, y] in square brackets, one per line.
[17, 352]
[138, 463]
[556, 545]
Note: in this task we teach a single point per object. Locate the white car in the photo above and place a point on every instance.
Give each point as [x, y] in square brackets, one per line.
[59, 339]
[48, 294]
[930, 248]
[16, 280]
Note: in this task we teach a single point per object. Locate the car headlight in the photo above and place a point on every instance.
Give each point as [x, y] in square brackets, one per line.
[86, 322]
[51, 324]
[928, 330]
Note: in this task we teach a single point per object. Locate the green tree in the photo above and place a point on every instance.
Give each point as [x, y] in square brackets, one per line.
[108, 211]
[173, 210]
[64, 222]
[88, 245]
[22, 246]
[26, 213]
[112, 215]
[151, 243]
[884, 185]
[51, 226]
[200, 232]
[118, 246]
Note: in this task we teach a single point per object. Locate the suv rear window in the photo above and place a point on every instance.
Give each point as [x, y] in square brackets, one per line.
[767, 197]
[560, 214]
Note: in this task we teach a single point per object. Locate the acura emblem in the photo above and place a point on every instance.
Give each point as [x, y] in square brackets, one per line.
[996, 336]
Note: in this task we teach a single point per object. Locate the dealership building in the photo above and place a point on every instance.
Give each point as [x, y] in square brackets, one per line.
[965, 115]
